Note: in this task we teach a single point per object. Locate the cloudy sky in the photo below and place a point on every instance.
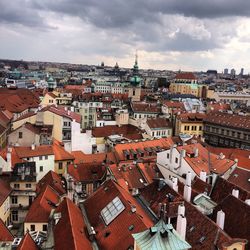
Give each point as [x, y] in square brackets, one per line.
[168, 34]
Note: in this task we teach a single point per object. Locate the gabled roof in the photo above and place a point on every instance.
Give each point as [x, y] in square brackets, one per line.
[24, 152]
[118, 233]
[223, 188]
[60, 153]
[143, 107]
[27, 115]
[157, 123]
[27, 243]
[164, 143]
[87, 171]
[69, 232]
[241, 178]
[229, 120]
[53, 180]
[5, 234]
[237, 217]
[5, 191]
[198, 225]
[202, 161]
[174, 104]
[128, 131]
[185, 76]
[41, 207]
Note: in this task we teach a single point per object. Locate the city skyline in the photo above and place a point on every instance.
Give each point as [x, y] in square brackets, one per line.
[167, 34]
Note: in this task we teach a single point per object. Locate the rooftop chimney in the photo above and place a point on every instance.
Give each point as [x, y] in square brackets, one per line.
[220, 219]
[181, 210]
[235, 193]
[183, 153]
[33, 146]
[203, 175]
[181, 225]
[189, 178]
[196, 152]
[187, 193]
[247, 202]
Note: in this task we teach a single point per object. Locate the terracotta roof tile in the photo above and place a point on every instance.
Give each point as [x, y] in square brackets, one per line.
[237, 217]
[159, 123]
[69, 231]
[87, 171]
[241, 178]
[42, 206]
[117, 234]
[185, 76]
[27, 243]
[201, 162]
[60, 153]
[24, 152]
[229, 120]
[5, 234]
[5, 191]
[53, 180]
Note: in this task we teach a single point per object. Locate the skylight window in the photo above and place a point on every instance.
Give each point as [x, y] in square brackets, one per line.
[112, 210]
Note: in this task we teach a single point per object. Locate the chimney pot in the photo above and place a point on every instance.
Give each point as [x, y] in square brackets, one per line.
[235, 193]
[220, 219]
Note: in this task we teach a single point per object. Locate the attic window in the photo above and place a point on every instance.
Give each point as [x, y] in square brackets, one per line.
[191, 229]
[112, 210]
[131, 227]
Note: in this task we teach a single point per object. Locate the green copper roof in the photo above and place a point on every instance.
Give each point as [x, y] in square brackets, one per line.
[160, 237]
[194, 86]
[135, 80]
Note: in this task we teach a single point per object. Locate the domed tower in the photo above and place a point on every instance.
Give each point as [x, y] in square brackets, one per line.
[135, 82]
[51, 83]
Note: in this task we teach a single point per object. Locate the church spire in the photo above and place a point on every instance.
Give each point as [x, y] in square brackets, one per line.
[136, 67]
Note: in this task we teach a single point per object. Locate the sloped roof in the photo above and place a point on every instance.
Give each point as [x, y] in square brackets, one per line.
[42, 206]
[158, 123]
[5, 191]
[241, 178]
[202, 161]
[60, 153]
[5, 234]
[117, 234]
[27, 243]
[87, 171]
[24, 152]
[69, 232]
[53, 180]
[237, 217]
[185, 76]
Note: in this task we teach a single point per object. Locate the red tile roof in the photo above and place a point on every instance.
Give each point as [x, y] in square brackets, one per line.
[201, 162]
[116, 235]
[229, 120]
[142, 107]
[69, 232]
[5, 234]
[27, 243]
[5, 191]
[191, 117]
[200, 224]
[62, 112]
[237, 217]
[174, 104]
[128, 131]
[53, 180]
[42, 206]
[87, 171]
[243, 156]
[24, 152]
[158, 123]
[164, 143]
[241, 178]
[185, 76]
[223, 188]
[60, 153]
